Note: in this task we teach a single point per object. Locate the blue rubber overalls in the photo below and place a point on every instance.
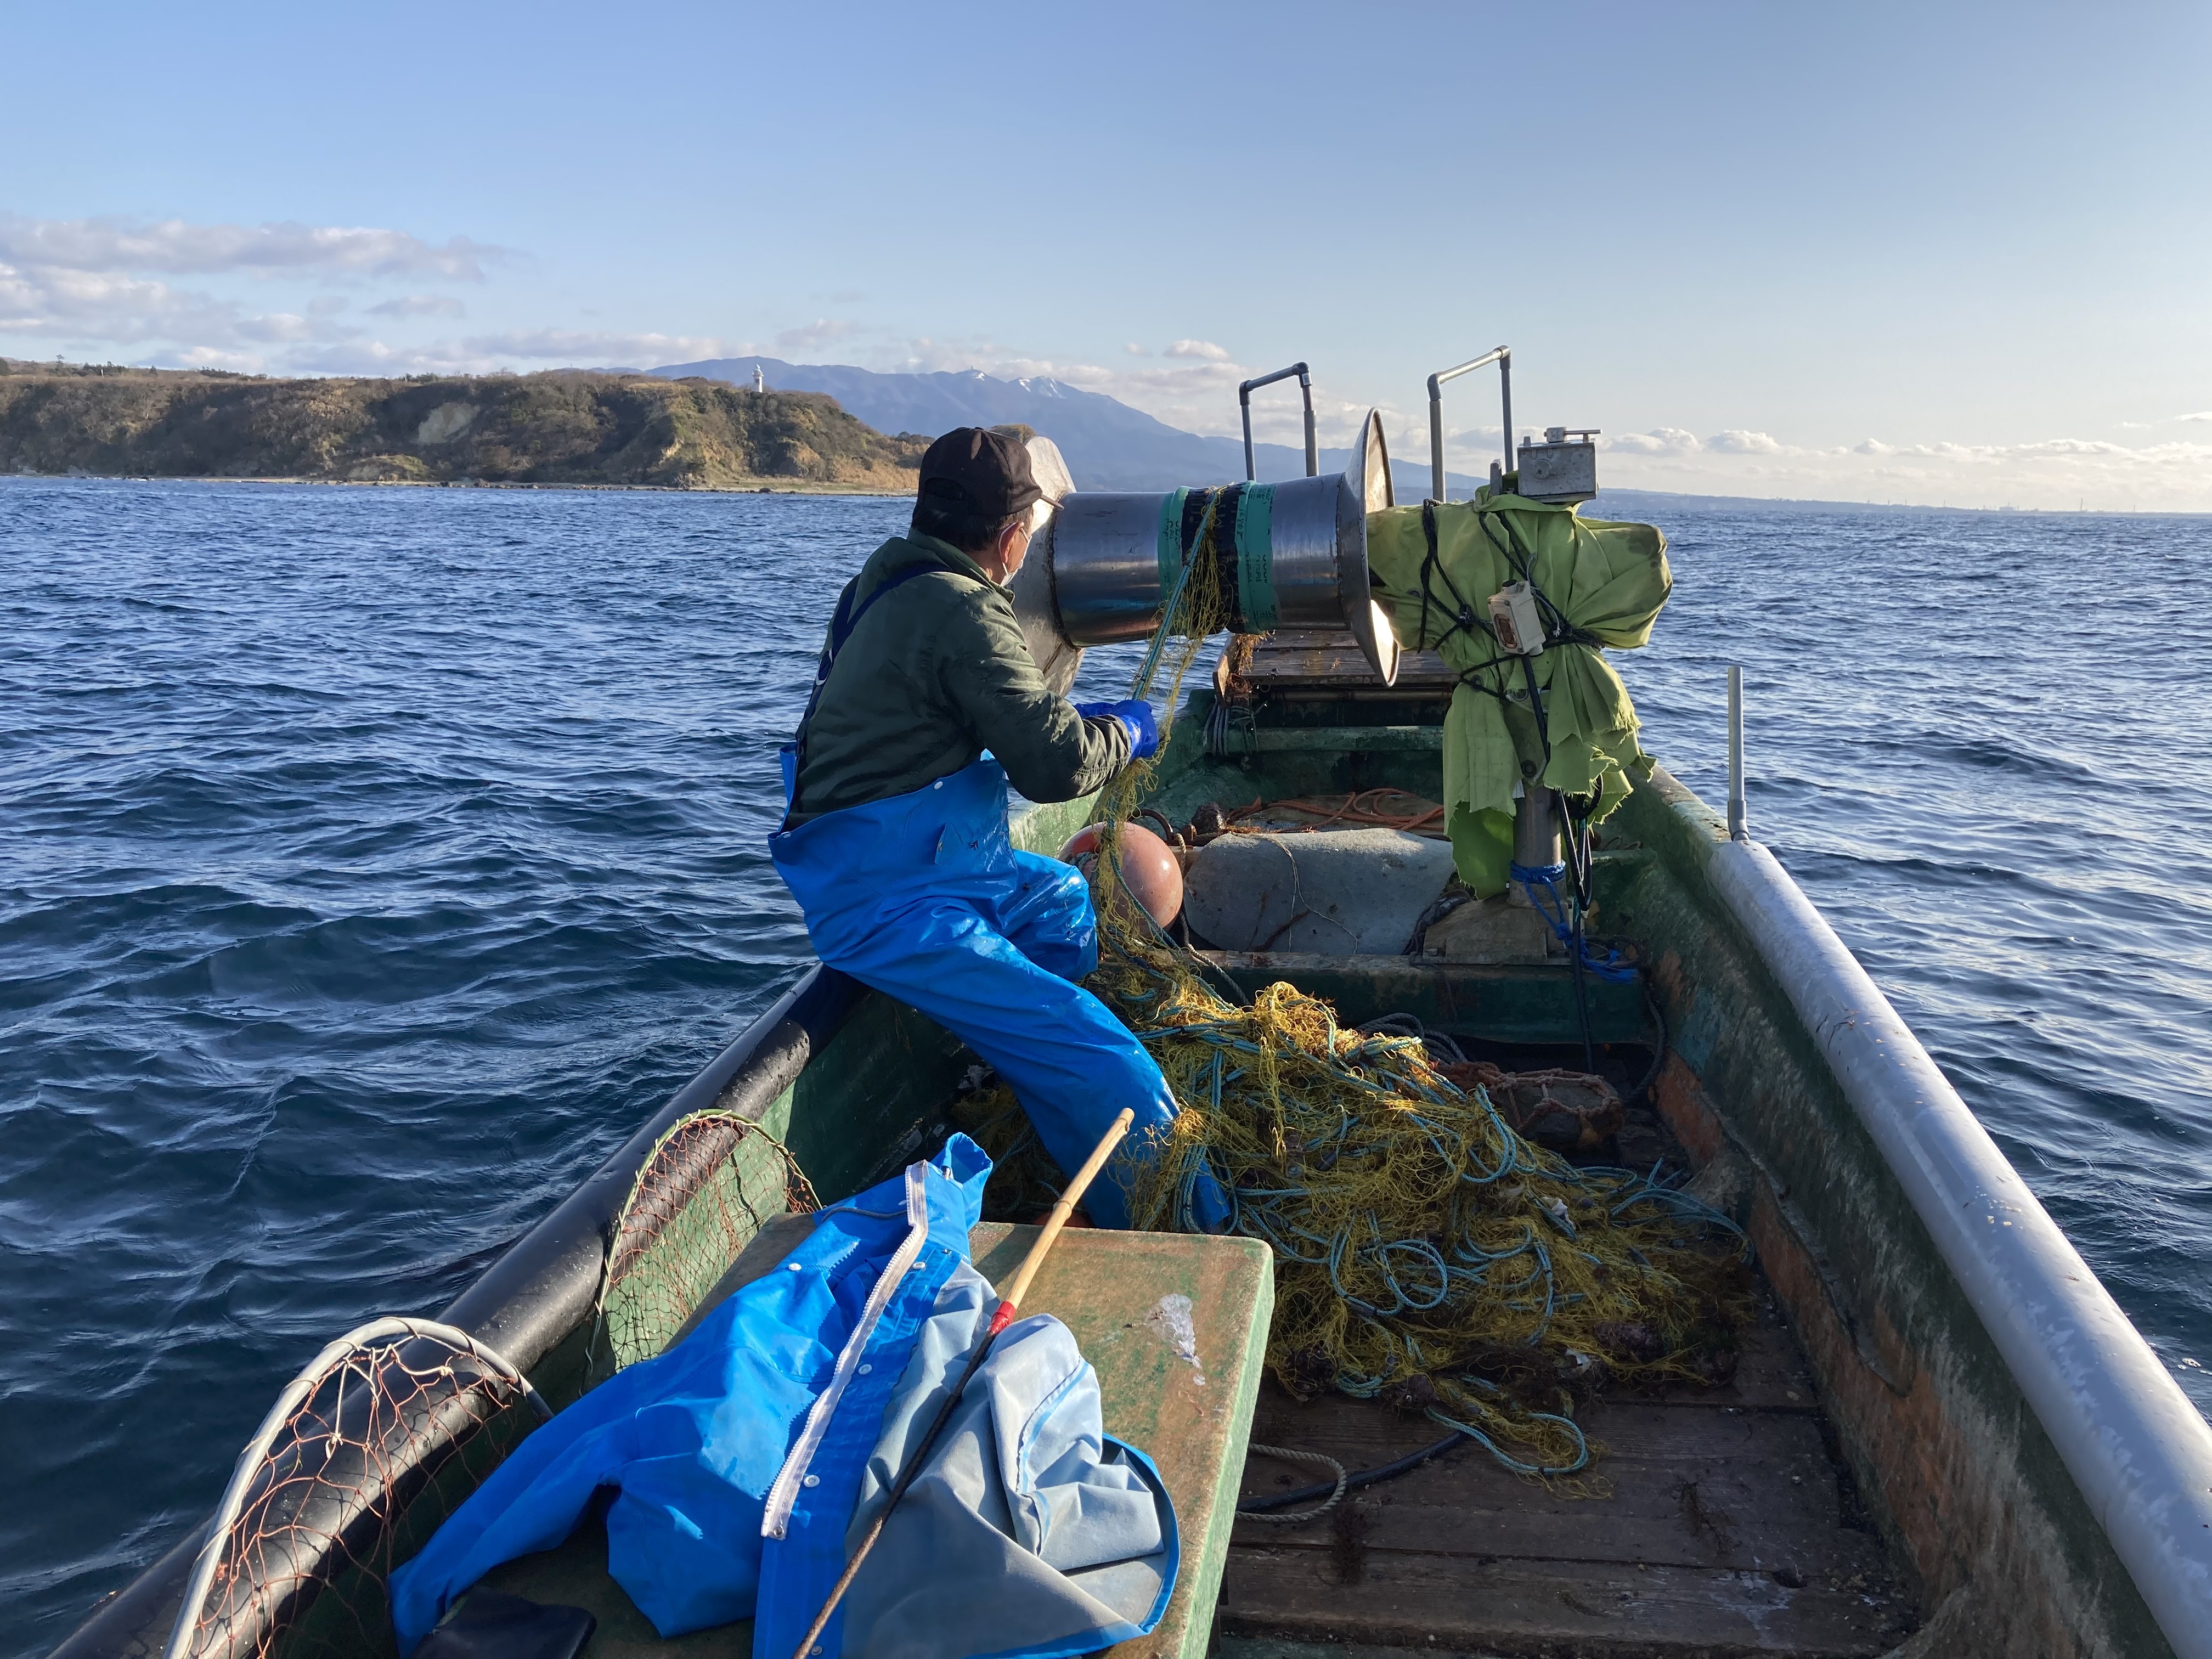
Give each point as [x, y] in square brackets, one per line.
[924, 897]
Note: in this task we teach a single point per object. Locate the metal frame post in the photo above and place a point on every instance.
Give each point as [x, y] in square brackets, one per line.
[1739, 827]
[1244, 400]
[1502, 357]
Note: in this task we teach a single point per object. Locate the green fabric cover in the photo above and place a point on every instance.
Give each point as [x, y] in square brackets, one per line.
[1606, 580]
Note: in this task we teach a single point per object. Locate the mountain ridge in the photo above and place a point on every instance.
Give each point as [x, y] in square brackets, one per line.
[1107, 443]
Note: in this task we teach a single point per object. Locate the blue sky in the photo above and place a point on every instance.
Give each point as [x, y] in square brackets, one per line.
[1923, 252]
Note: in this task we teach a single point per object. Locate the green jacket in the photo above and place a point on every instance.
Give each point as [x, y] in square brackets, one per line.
[931, 677]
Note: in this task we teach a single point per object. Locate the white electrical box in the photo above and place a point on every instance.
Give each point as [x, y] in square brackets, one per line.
[1516, 620]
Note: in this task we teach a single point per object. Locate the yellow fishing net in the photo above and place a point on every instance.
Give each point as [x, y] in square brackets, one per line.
[1425, 1252]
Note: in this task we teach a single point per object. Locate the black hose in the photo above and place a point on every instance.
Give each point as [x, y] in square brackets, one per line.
[1582, 996]
[1297, 1495]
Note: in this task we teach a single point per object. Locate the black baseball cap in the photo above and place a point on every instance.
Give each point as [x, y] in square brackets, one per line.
[989, 470]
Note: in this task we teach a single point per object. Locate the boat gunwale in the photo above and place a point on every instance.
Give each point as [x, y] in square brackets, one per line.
[2119, 1423]
[2139, 1452]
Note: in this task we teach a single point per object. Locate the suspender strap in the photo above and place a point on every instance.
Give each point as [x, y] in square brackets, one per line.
[842, 621]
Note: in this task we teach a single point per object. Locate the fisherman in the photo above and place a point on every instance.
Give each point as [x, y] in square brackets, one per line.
[926, 704]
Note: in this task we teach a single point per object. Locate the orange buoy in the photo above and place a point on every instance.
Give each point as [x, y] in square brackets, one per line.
[1147, 865]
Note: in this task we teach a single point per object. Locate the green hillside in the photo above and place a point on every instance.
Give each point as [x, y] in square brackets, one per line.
[567, 426]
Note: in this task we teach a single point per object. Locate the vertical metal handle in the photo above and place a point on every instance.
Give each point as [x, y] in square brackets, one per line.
[1502, 357]
[1244, 399]
[1739, 828]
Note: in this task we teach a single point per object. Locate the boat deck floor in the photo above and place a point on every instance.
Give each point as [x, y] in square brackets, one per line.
[1719, 1523]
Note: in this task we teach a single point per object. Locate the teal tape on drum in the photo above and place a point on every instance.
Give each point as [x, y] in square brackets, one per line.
[1255, 558]
[1170, 546]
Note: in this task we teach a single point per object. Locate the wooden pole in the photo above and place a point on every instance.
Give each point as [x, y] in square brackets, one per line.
[1015, 1290]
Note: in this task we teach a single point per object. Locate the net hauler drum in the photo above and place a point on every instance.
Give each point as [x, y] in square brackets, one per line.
[1293, 555]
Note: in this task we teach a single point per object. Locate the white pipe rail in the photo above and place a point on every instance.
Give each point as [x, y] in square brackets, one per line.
[2140, 1453]
[1502, 357]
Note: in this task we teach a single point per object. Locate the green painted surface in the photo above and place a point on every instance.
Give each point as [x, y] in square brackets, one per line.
[874, 1099]
[1046, 829]
[1334, 739]
[1531, 1004]
[1194, 1421]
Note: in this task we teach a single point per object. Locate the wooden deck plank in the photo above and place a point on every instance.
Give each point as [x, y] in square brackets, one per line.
[1724, 1529]
[1756, 1492]
[1698, 1515]
[1563, 1607]
[1627, 1428]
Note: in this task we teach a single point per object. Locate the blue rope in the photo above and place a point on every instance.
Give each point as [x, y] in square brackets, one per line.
[1541, 1471]
[1565, 921]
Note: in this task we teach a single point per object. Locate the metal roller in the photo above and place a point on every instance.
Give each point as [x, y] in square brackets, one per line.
[1295, 556]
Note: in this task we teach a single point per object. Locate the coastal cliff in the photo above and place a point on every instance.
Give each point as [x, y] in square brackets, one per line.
[566, 426]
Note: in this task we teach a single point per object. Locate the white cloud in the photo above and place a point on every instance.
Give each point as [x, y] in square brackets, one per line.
[2054, 473]
[244, 363]
[1743, 443]
[173, 247]
[420, 305]
[812, 336]
[103, 308]
[1202, 349]
[85, 283]
[1136, 350]
[1659, 440]
[579, 347]
[2201, 414]
[485, 354]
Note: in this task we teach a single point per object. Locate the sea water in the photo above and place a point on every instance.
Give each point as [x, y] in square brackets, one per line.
[376, 859]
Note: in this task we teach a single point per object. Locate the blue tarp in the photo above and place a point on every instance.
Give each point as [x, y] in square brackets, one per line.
[743, 1460]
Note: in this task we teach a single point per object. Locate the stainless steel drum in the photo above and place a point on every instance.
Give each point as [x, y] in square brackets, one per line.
[1294, 554]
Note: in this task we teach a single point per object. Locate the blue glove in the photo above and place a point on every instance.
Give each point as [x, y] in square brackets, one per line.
[1136, 715]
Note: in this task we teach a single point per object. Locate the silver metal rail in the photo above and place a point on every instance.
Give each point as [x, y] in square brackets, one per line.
[2140, 1453]
[1502, 357]
[1244, 401]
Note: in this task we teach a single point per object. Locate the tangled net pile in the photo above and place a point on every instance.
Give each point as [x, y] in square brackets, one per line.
[360, 1460]
[703, 1191]
[1426, 1253]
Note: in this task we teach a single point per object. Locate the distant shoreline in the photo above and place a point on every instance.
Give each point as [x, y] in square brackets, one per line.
[569, 428]
[1645, 501]
[780, 487]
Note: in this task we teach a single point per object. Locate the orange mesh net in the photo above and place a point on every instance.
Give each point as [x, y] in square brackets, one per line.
[361, 1459]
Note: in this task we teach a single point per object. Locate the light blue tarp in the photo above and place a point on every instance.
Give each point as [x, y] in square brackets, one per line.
[924, 897]
[745, 1459]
